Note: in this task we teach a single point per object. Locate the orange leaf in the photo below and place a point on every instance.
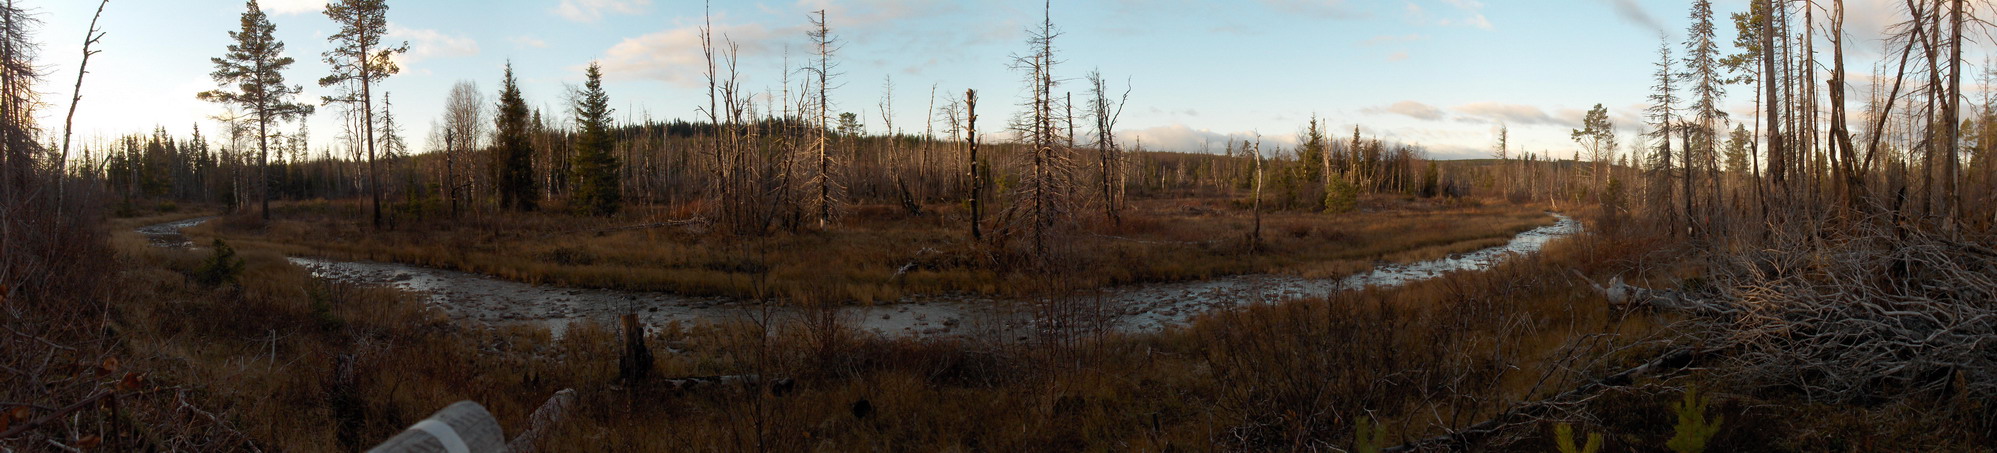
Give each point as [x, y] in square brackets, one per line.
[132, 381]
[110, 364]
[90, 441]
[19, 413]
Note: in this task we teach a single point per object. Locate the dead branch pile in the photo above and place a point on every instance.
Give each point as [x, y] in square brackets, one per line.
[1886, 311]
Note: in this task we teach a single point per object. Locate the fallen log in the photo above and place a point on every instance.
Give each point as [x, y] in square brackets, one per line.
[1624, 296]
[1462, 439]
[779, 386]
[544, 419]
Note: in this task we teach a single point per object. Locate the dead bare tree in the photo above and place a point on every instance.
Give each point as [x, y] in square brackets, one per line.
[828, 186]
[1109, 158]
[1255, 236]
[90, 38]
[465, 128]
[976, 170]
[1042, 197]
[1952, 119]
[1777, 153]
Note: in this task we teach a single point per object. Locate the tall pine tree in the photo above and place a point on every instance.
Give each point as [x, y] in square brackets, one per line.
[255, 67]
[595, 168]
[360, 60]
[515, 150]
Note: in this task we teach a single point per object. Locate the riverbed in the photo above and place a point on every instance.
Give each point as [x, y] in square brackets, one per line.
[482, 299]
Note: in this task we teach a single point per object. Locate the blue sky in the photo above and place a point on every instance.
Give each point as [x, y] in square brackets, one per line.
[1440, 73]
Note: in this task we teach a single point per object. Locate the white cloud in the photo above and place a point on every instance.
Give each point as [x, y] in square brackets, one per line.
[1331, 9]
[1474, 9]
[1410, 109]
[593, 10]
[1181, 138]
[284, 7]
[1389, 39]
[1518, 114]
[528, 42]
[1397, 56]
[426, 44]
[674, 55]
[1477, 21]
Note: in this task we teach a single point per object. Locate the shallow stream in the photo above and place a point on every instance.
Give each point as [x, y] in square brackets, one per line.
[1130, 308]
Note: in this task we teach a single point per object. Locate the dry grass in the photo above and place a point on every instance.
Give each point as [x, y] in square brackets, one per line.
[1161, 240]
[1423, 359]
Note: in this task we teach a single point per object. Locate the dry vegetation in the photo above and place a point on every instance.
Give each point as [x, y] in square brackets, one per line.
[348, 366]
[1827, 303]
[864, 260]
[1253, 379]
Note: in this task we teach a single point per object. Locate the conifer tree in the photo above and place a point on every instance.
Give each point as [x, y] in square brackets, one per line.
[514, 150]
[1702, 71]
[1663, 103]
[251, 76]
[1598, 136]
[595, 169]
[359, 60]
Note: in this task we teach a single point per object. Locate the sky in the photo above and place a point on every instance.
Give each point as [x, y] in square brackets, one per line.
[1439, 73]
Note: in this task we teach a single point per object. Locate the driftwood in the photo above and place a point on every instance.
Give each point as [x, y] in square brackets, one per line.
[544, 419]
[1531, 412]
[1624, 296]
[1879, 313]
[912, 264]
[778, 386]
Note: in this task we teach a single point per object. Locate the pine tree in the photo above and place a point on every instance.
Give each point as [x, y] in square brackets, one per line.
[255, 67]
[359, 58]
[1702, 71]
[1598, 136]
[595, 169]
[1662, 104]
[517, 188]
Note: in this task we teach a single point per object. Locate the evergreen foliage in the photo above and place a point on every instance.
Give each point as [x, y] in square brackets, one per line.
[222, 266]
[254, 67]
[515, 149]
[595, 169]
[1693, 431]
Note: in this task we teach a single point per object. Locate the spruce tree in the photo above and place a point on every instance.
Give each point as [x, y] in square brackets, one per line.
[254, 68]
[595, 169]
[514, 149]
[1702, 71]
[1663, 103]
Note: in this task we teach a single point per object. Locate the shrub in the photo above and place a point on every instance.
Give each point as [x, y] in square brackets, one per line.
[1692, 429]
[221, 266]
[1563, 434]
[1369, 436]
[1340, 196]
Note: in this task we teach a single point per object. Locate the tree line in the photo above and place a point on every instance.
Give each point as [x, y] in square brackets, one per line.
[792, 161]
